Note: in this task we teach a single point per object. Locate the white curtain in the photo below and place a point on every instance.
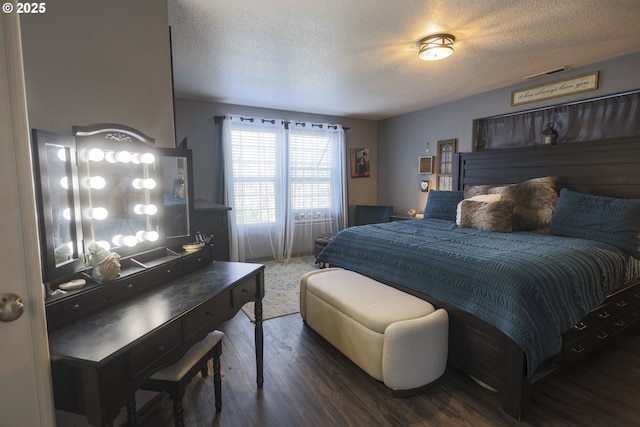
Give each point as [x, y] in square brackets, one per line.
[285, 185]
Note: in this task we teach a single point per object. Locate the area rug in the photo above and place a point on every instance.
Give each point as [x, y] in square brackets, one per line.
[282, 287]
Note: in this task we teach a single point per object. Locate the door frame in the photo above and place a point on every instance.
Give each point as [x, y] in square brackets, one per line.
[14, 117]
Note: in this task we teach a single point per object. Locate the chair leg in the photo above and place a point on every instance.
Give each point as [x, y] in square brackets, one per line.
[132, 417]
[178, 411]
[217, 382]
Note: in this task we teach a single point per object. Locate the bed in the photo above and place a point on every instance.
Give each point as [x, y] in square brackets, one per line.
[508, 329]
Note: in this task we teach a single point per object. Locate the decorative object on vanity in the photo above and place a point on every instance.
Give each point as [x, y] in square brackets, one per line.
[549, 134]
[444, 177]
[105, 265]
[360, 166]
[435, 47]
[568, 86]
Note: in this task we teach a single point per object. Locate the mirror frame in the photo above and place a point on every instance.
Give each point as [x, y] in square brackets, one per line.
[50, 271]
[173, 241]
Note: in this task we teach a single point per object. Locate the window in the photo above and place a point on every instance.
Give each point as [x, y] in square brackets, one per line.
[255, 176]
[285, 185]
[312, 164]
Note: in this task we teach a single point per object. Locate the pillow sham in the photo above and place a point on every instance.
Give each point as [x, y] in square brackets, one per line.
[534, 201]
[442, 204]
[604, 219]
[489, 216]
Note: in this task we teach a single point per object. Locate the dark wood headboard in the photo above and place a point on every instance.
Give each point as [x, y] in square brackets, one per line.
[607, 167]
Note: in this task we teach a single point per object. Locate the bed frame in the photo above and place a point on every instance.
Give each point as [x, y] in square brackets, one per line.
[608, 168]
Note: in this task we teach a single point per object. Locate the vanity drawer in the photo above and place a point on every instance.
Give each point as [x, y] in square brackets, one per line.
[244, 293]
[197, 259]
[207, 317]
[146, 359]
[166, 271]
[125, 287]
[69, 308]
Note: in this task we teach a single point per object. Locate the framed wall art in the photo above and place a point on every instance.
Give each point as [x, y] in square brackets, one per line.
[444, 177]
[360, 163]
[425, 165]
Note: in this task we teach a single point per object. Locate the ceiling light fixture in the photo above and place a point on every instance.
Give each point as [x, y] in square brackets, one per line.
[435, 47]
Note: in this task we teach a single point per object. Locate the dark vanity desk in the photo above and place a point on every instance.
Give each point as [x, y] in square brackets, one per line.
[100, 359]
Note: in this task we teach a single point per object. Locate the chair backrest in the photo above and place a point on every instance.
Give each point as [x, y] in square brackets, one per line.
[372, 214]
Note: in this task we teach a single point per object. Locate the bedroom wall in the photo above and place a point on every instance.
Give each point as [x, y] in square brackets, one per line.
[194, 120]
[93, 61]
[403, 139]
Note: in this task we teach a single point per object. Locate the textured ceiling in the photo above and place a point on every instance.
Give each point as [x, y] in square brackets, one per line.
[358, 58]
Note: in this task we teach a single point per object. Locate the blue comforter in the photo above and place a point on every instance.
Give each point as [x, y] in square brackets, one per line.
[531, 286]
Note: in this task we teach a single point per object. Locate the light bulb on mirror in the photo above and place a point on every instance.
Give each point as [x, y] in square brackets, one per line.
[121, 240]
[144, 183]
[97, 182]
[95, 155]
[66, 214]
[123, 157]
[149, 236]
[64, 182]
[145, 209]
[98, 213]
[110, 157]
[147, 158]
[62, 154]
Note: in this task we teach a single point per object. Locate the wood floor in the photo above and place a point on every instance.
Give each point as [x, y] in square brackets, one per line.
[309, 383]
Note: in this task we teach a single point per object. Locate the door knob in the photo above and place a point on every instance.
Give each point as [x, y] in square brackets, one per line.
[11, 307]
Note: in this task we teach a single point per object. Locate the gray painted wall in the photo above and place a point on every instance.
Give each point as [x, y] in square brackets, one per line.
[404, 138]
[194, 120]
[92, 62]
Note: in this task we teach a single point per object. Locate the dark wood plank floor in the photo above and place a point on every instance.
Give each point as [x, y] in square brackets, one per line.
[309, 383]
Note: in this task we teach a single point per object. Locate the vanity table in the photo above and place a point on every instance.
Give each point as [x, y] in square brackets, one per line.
[130, 283]
[99, 360]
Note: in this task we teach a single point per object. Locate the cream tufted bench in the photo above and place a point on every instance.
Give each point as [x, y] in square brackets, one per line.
[395, 337]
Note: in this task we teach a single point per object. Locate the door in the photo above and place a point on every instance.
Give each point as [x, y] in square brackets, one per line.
[25, 379]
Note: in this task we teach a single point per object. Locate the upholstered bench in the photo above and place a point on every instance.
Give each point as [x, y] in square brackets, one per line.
[174, 378]
[395, 337]
[321, 241]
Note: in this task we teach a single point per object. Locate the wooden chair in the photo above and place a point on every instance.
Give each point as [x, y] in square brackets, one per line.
[174, 378]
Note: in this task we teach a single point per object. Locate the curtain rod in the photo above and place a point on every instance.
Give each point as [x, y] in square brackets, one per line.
[551, 107]
[218, 120]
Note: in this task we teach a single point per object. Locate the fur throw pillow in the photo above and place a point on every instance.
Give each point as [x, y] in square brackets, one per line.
[489, 216]
[534, 201]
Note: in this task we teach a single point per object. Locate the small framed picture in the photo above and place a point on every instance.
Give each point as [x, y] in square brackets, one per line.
[360, 163]
[425, 165]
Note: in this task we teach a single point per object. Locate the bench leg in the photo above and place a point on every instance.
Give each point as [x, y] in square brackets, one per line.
[217, 381]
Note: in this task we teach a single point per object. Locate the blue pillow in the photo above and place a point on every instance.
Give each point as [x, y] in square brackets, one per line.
[604, 219]
[443, 204]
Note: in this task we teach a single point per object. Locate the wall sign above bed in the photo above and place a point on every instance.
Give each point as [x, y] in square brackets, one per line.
[577, 84]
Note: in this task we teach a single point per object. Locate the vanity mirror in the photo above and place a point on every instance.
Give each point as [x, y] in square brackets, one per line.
[118, 188]
[109, 185]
